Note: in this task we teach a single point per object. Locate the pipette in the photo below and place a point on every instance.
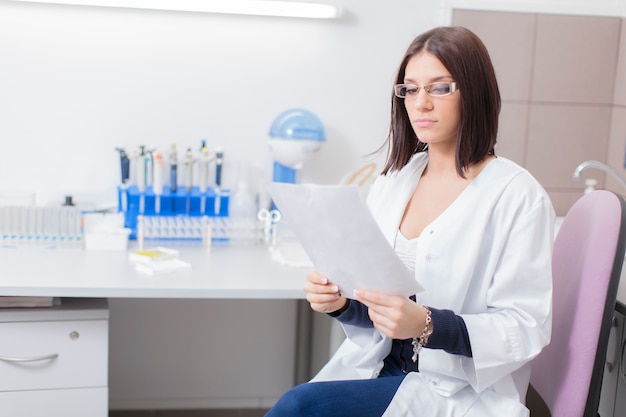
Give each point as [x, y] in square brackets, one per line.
[124, 165]
[125, 171]
[142, 167]
[173, 174]
[219, 161]
[188, 162]
[157, 181]
[203, 180]
[150, 164]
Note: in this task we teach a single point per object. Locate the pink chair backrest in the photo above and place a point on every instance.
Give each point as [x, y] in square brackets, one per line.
[586, 264]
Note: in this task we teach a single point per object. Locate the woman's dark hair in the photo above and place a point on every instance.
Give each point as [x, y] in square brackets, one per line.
[467, 59]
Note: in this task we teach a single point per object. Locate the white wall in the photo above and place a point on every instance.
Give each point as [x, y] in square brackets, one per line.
[78, 81]
[75, 82]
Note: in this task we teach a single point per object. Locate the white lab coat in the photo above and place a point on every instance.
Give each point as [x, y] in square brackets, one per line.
[487, 258]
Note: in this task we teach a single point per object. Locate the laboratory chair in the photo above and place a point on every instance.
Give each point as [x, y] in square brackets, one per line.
[586, 266]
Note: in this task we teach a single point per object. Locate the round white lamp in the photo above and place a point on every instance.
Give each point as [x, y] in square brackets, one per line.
[294, 136]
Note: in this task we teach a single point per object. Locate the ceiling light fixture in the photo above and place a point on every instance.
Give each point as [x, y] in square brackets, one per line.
[244, 7]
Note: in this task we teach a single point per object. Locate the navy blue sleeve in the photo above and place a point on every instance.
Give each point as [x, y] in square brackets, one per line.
[355, 314]
[449, 333]
[449, 330]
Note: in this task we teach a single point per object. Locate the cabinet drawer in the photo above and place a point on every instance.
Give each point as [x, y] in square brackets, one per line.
[87, 402]
[53, 354]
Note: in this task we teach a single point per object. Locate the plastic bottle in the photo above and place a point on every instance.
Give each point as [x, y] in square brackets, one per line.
[242, 209]
[590, 185]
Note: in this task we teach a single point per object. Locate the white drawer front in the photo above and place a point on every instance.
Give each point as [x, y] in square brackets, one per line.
[87, 402]
[78, 350]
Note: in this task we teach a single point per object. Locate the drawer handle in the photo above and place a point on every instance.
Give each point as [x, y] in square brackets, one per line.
[31, 359]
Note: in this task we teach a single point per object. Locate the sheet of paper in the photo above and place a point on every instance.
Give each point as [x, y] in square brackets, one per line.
[340, 235]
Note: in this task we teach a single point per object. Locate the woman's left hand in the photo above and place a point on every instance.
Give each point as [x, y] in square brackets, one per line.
[394, 316]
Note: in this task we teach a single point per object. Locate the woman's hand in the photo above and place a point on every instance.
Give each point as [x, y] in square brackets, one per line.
[394, 316]
[322, 294]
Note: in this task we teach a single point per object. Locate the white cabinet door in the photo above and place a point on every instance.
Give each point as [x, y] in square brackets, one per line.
[86, 402]
[53, 355]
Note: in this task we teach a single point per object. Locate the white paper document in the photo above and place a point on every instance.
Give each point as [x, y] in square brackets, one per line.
[339, 234]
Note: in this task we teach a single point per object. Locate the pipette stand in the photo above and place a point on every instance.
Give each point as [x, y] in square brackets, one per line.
[177, 211]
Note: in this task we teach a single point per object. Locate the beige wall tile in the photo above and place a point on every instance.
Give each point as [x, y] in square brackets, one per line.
[617, 149]
[575, 59]
[563, 84]
[512, 131]
[563, 200]
[620, 77]
[562, 136]
[509, 37]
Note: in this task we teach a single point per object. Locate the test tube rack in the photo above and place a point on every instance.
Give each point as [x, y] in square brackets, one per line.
[175, 214]
[46, 226]
[217, 229]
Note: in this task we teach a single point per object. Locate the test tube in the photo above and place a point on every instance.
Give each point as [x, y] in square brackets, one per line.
[140, 231]
[207, 233]
[4, 222]
[51, 221]
[40, 231]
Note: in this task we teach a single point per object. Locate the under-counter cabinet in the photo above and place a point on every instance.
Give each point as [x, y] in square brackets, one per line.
[613, 396]
[54, 361]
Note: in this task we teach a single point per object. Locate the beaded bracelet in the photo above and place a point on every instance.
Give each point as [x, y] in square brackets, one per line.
[419, 342]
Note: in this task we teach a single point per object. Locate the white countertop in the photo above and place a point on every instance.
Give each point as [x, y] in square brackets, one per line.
[224, 272]
[245, 272]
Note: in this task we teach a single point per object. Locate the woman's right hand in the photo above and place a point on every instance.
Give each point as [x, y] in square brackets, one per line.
[323, 295]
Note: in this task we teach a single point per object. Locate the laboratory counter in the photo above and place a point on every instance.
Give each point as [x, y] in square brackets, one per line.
[137, 323]
[244, 272]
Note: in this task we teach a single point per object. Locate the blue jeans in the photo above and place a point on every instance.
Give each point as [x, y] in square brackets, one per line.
[361, 397]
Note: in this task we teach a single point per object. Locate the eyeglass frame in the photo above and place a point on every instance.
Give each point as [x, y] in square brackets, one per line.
[451, 85]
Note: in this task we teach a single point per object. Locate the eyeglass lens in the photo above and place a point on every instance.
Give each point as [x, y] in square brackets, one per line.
[435, 89]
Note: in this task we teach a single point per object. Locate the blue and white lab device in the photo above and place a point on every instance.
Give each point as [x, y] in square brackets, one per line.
[294, 136]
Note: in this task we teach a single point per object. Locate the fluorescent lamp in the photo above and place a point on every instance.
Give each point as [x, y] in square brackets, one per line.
[246, 7]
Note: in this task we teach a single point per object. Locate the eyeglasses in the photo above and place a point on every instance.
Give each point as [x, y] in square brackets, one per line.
[409, 91]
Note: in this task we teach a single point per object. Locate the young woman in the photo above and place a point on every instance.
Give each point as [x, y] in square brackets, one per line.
[475, 229]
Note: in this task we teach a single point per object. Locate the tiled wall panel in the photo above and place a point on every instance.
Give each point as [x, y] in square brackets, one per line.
[563, 85]
[620, 77]
[512, 131]
[560, 136]
[512, 69]
[617, 148]
[575, 59]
